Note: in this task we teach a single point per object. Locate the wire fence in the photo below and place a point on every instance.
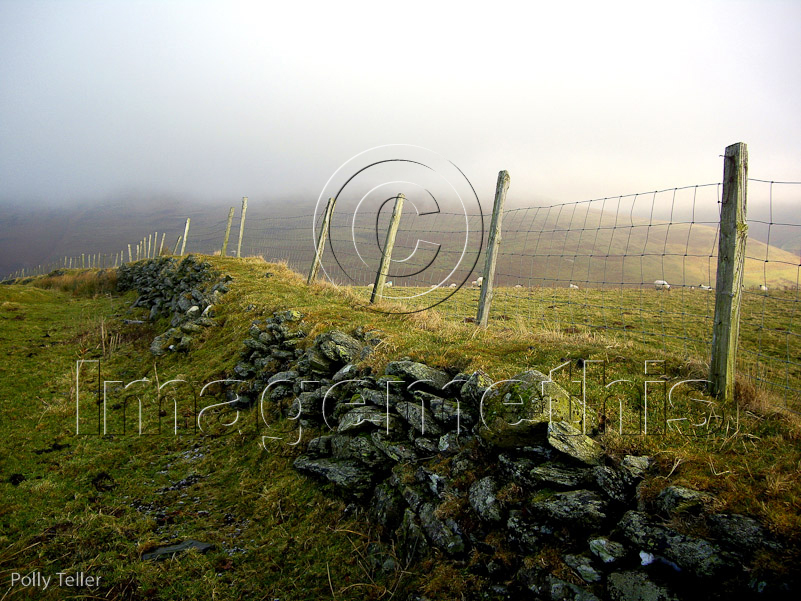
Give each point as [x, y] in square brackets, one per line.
[638, 267]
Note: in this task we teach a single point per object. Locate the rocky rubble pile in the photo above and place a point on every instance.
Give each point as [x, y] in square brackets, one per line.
[494, 482]
[185, 291]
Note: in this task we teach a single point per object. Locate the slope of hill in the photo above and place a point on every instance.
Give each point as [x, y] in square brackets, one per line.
[101, 504]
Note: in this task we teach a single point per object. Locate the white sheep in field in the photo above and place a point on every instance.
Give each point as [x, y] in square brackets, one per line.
[573, 287]
[763, 288]
[370, 286]
[388, 284]
[452, 286]
[661, 285]
[518, 286]
[705, 287]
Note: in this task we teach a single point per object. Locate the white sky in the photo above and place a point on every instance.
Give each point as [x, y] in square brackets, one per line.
[216, 100]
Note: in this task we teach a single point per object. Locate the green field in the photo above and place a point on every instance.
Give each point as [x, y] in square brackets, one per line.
[678, 321]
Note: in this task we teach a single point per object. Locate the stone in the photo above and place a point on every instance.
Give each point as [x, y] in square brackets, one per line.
[578, 509]
[517, 412]
[483, 500]
[320, 446]
[608, 551]
[426, 445]
[474, 387]
[347, 475]
[338, 347]
[348, 372]
[318, 362]
[696, 555]
[565, 438]
[427, 378]
[447, 412]
[412, 543]
[582, 565]
[443, 534]
[740, 533]
[386, 507]
[449, 444]
[556, 475]
[616, 483]
[359, 448]
[365, 417]
[529, 536]
[167, 552]
[637, 466]
[567, 591]
[401, 452]
[418, 418]
[636, 586]
[675, 499]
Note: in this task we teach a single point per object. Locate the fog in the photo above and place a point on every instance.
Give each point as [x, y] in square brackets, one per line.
[210, 101]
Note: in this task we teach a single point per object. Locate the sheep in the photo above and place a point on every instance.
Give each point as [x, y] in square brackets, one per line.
[388, 284]
[370, 286]
[705, 287]
[573, 287]
[452, 286]
[518, 286]
[763, 288]
[661, 285]
[480, 280]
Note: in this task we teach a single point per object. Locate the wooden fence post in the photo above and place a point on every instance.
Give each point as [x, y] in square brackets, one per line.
[386, 257]
[177, 245]
[485, 300]
[161, 246]
[227, 232]
[318, 252]
[186, 235]
[242, 226]
[130, 256]
[731, 261]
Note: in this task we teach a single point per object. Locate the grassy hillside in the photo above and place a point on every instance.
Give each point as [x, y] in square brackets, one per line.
[97, 503]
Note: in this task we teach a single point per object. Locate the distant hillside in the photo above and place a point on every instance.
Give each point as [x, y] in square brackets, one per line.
[540, 246]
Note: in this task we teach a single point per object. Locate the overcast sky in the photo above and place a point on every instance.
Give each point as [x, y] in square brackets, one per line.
[216, 100]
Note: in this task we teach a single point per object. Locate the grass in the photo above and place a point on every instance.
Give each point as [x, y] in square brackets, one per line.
[96, 503]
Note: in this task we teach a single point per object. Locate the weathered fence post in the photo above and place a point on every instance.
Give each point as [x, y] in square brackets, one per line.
[242, 226]
[147, 247]
[161, 246]
[130, 256]
[318, 251]
[177, 245]
[485, 300]
[386, 257]
[731, 261]
[227, 232]
[186, 235]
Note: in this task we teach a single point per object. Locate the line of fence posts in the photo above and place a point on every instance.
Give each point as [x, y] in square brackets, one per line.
[730, 267]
